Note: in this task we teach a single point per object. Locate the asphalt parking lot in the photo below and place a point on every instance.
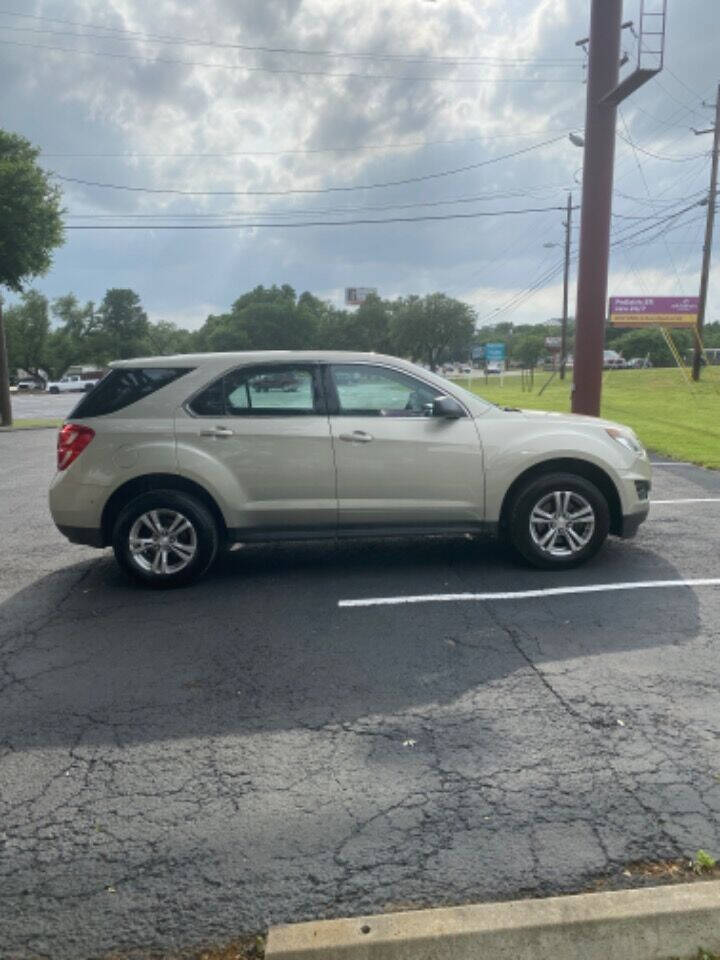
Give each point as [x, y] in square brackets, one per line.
[40, 406]
[179, 767]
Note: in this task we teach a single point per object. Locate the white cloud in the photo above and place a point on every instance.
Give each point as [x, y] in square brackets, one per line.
[83, 104]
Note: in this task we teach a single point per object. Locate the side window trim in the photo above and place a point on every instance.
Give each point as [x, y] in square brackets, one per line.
[335, 410]
[320, 405]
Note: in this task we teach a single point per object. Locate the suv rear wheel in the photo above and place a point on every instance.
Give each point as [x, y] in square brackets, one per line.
[165, 538]
[558, 520]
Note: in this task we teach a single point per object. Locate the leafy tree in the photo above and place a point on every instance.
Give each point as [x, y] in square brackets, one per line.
[27, 326]
[165, 338]
[71, 341]
[120, 327]
[642, 343]
[528, 348]
[30, 229]
[263, 319]
[31, 221]
[373, 325]
[337, 330]
[429, 327]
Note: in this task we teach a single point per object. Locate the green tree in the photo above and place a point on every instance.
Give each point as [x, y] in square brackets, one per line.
[71, 341]
[165, 338]
[27, 327]
[120, 327]
[428, 328]
[30, 229]
[266, 318]
[373, 325]
[528, 348]
[644, 343]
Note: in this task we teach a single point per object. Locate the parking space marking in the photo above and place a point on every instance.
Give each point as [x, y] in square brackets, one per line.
[689, 500]
[530, 594]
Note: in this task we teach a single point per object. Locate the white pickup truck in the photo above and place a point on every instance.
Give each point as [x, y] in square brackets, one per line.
[71, 384]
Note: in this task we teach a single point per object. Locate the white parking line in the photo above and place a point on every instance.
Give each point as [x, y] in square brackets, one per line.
[529, 594]
[690, 500]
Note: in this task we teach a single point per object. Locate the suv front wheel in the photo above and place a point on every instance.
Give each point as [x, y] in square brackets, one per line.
[165, 538]
[558, 520]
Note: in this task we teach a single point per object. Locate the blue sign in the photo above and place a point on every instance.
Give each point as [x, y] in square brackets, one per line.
[478, 353]
[495, 352]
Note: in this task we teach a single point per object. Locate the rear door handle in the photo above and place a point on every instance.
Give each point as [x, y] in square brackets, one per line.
[216, 432]
[357, 436]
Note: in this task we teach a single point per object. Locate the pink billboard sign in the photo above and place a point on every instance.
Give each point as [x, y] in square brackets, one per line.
[653, 311]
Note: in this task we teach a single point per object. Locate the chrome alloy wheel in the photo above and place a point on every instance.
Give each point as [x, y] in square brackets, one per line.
[562, 523]
[163, 542]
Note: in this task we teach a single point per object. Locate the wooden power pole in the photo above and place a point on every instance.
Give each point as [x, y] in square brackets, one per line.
[5, 404]
[604, 93]
[566, 275]
[707, 248]
[598, 164]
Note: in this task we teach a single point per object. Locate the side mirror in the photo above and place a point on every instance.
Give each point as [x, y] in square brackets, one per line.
[448, 408]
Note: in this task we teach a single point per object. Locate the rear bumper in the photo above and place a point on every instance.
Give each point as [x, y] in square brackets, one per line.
[87, 536]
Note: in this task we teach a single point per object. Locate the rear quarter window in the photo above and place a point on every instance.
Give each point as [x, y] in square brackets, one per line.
[123, 386]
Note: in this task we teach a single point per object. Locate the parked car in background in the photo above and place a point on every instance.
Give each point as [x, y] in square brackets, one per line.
[613, 361]
[74, 383]
[30, 383]
[639, 363]
[172, 459]
[494, 368]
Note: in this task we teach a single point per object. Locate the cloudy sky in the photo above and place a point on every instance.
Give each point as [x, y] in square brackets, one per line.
[236, 112]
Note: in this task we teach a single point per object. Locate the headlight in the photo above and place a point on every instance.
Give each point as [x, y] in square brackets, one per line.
[627, 439]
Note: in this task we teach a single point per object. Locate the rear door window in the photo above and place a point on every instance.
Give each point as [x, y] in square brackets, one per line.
[123, 386]
[261, 391]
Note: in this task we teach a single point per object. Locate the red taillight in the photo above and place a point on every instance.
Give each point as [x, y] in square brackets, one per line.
[72, 440]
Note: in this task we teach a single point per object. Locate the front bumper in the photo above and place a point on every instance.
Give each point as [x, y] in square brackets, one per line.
[634, 491]
[631, 522]
[87, 536]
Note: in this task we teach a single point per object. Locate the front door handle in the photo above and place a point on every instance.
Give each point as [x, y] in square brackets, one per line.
[357, 436]
[217, 432]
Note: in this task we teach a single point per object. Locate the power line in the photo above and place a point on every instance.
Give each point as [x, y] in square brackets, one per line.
[666, 219]
[541, 282]
[227, 214]
[682, 83]
[189, 41]
[316, 223]
[305, 151]
[286, 71]
[278, 193]
[658, 156]
[635, 149]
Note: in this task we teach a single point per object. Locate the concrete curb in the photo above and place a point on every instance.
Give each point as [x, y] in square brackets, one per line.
[651, 924]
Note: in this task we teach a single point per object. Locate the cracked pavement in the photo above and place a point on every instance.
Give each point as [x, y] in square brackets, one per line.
[179, 767]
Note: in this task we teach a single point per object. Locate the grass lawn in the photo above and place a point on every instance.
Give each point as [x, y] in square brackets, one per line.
[34, 424]
[665, 413]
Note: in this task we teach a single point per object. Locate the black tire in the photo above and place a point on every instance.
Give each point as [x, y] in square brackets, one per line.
[532, 495]
[203, 537]
[54, 390]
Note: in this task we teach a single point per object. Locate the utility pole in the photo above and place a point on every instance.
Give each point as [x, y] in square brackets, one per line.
[598, 163]
[707, 248]
[5, 405]
[566, 276]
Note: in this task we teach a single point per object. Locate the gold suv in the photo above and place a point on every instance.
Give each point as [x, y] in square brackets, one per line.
[171, 459]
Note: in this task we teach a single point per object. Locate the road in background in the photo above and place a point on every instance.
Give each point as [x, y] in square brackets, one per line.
[41, 406]
[181, 766]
